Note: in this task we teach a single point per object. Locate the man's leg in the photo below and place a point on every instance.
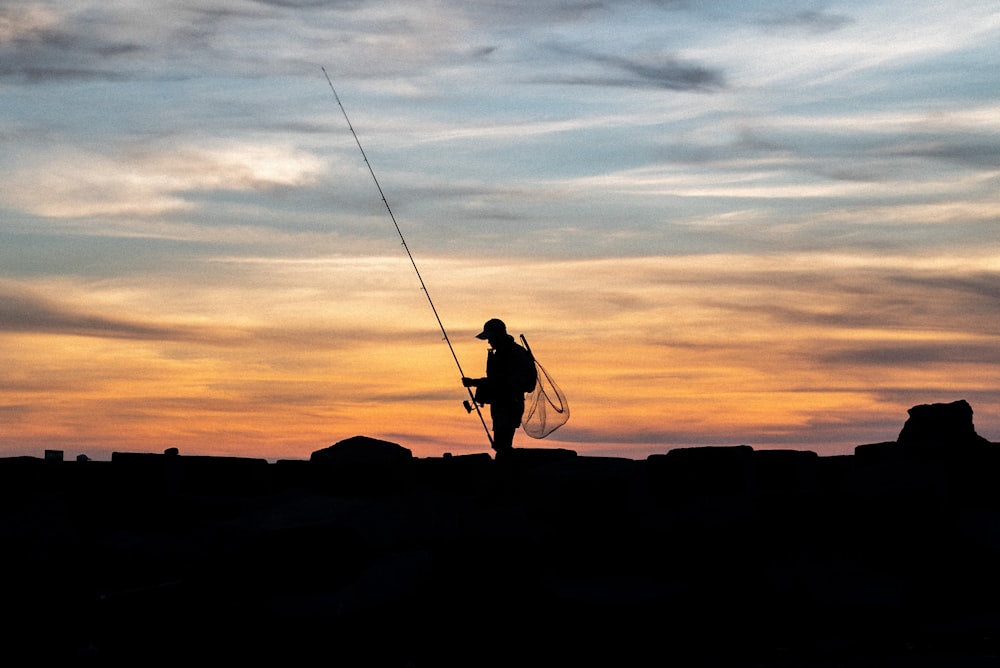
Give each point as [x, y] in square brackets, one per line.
[503, 437]
[504, 426]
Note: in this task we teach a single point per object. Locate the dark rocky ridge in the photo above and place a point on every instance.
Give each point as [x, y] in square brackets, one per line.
[365, 555]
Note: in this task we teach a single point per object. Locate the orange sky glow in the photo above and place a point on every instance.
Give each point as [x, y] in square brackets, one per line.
[653, 353]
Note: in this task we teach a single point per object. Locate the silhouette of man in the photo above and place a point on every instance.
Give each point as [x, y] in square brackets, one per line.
[503, 388]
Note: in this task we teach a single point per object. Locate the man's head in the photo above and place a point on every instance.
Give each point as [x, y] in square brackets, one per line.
[493, 330]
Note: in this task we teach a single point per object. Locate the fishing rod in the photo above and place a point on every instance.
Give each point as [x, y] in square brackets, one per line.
[471, 402]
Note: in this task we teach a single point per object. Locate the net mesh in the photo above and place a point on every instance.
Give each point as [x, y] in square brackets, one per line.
[546, 408]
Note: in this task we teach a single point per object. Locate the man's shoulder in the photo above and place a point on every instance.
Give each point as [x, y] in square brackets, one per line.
[512, 345]
[508, 343]
[516, 351]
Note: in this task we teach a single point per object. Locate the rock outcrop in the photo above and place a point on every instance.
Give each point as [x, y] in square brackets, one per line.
[362, 450]
[366, 555]
[940, 427]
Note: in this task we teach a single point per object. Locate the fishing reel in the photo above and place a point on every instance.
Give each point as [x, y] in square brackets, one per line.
[469, 407]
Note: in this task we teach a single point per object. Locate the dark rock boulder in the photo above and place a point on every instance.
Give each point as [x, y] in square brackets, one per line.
[530, 457]
[708, 470]
[362, 450]
[362, 465]
[936, 426]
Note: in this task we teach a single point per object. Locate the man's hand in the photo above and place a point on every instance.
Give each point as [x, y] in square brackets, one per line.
[469, 382]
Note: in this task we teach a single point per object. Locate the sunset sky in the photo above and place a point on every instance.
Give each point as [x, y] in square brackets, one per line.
[716, 222]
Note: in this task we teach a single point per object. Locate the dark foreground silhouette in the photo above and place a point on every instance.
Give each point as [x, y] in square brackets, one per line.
[367, 556]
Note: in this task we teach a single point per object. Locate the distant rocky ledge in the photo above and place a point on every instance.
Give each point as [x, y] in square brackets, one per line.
[366, 555]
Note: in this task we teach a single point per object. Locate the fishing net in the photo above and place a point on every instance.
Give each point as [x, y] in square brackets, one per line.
[545, 409]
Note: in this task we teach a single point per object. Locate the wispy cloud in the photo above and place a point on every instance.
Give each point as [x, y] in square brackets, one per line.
[910, 355]
[150, 180]
[810, 20]
[23, 311]
[658, 70]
